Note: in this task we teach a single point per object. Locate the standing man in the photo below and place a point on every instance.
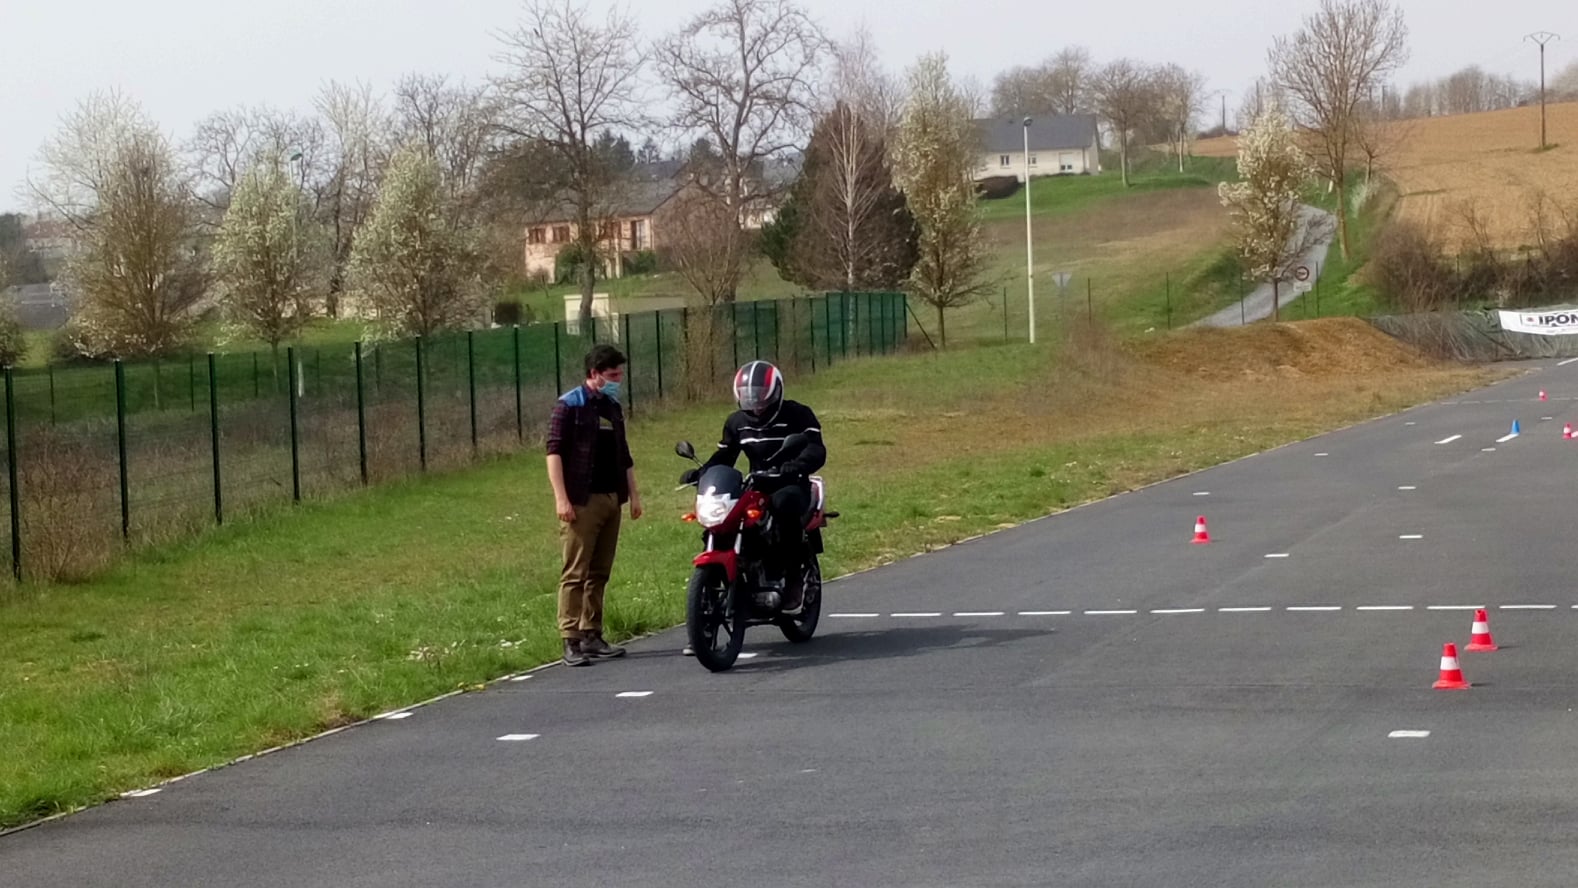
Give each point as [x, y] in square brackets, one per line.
[593, 476]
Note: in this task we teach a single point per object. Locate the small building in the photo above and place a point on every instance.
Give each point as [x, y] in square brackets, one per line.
[1060, 145]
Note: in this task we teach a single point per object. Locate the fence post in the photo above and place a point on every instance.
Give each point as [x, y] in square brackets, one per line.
[1169, 300]
[1005, 314]
[630, 358]
[558, 363]
[756, 330]
[520, 422]
[812, 325]
[52, 419]
[421, 408]
[120, 435]
[657, 328]
[191, 380]
[827, 315]
[1317, 289]
[295, 438]
[378, 367]
[361, 414]
[16, 497]
[778, 346]
[734, 330]
[213, 434]
[471, 385]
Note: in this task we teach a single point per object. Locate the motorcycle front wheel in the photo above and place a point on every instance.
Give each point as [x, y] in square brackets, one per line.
[714, 619]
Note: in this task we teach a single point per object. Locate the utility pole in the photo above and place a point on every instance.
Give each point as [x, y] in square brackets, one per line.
[1542, 38]
[1030, 267]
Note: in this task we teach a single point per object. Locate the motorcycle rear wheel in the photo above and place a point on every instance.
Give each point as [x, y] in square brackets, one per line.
[714, 619]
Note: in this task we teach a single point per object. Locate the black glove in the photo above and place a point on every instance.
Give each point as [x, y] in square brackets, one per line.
[690, 476]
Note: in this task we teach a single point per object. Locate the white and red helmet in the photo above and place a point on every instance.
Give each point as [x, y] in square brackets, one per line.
[758, 387]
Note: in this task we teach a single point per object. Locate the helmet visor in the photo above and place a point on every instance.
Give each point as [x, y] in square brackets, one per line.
[752, 397]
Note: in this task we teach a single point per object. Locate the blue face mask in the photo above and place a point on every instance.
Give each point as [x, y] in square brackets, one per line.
[611, 389]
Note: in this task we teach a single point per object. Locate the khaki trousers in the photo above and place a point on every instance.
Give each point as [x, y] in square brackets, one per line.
[590, 542]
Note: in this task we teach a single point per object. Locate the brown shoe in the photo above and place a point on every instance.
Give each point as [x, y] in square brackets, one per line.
[574, 655]
[595, 647]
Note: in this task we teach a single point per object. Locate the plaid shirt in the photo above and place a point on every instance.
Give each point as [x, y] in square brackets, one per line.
[572, 435]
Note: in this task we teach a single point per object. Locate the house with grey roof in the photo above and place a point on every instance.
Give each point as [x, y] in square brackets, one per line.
[1060, 145]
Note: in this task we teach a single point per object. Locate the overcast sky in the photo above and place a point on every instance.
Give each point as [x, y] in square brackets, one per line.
[184, 58]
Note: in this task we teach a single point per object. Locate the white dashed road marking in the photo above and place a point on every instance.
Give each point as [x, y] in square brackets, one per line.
[853, 616]
[1408, 487]
[516, 738]
[1408, 735]
[1528, 607]
[1109, 613]
[1202, 493]
[392, 716]
[1412, 536]
[1045, 613]
[978, 613]
[1323, 454]
[1487, 450]
[520, 678]
[1505, 438]
[1180, 610]
[1244, 610]
[1314, 609]
[1453, 607]
[1449, 440]
[1386, 607]
[634, 694]
[1277, 555]
[921, 614]
[1566, 362]
[138, 793]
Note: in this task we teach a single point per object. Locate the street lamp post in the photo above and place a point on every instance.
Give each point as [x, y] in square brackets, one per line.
[1030, 270]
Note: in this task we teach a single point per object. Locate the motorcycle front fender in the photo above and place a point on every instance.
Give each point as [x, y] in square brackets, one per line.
[729, 560]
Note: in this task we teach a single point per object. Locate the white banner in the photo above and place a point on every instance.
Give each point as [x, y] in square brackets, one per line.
[1550, 322]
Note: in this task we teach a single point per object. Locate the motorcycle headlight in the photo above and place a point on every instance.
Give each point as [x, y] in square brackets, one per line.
[712, 508]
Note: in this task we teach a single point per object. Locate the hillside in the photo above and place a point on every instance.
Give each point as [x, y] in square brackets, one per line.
[1490, 163]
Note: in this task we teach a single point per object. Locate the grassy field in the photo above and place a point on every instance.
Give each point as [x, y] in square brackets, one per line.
[267, 631]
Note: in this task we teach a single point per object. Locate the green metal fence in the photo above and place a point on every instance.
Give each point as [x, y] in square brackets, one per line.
[101, 457]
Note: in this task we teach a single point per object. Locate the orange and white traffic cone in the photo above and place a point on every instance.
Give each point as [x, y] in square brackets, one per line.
[1451, 674]
[1567, 432]
[1201, 536]
[1480, 639]
[1542, 395]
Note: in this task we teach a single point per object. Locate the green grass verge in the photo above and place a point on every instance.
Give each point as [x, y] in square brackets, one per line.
[1060, 195]
[270, 630]
[1343, 291]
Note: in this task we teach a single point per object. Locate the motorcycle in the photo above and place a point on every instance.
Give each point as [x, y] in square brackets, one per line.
[721, 601]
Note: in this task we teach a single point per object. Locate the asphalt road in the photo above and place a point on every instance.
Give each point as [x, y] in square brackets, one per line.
[1264, 300]
[1085, 700]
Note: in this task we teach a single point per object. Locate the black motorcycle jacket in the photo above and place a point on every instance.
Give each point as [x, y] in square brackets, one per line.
[759, 438]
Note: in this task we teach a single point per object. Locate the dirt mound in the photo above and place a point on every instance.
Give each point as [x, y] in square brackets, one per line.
[1330, 347]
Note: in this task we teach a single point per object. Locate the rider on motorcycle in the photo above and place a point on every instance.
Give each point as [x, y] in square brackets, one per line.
[765, 419]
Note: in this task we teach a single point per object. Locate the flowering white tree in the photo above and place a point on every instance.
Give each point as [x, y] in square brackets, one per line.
[934, 153]
[416, 266]
[269, 256]
[1271, 227]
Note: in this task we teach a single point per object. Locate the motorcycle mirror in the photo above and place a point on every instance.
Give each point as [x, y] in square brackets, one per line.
[792, 444]
[684, 449]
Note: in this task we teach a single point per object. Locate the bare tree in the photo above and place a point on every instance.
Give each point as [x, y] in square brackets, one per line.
[743, 76]
[456, 122]
[140, 274]
[934, 155]
[860, 81]
[1272, 228]
[705, 244]
[1377, 136]
[1069, 80]
[569, 79]
[1180, 97]
[226, 143]
[1564, 86]
[1328, 68]
[1125, 94]
[354, 158]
